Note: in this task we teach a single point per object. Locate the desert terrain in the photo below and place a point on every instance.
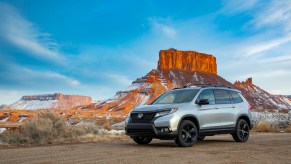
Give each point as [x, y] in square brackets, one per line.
[261, 148]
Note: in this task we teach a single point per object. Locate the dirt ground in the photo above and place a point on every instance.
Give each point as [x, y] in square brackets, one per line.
[261, 148]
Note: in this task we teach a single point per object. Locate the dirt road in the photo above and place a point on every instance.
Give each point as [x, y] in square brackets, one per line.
[261, 148]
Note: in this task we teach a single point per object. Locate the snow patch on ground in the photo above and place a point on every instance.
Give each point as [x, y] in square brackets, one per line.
[5, 119]
[144, 98]
[133, 86]
[21, 119]
[2, 130]
[82, 123]
[115, 97]
[119, 124]
[33, 104]
[163, 81]
[104, 131]
[195, 76]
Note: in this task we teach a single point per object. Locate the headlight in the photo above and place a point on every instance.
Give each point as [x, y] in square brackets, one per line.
[165, 112]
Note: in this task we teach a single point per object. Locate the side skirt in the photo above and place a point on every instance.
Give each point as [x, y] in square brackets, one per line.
[210, 132]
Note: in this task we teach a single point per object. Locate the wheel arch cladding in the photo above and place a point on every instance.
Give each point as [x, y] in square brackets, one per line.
[191, 118]
[246, 118]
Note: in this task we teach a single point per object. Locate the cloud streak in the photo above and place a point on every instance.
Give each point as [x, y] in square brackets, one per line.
[164, 26]
[23, 34]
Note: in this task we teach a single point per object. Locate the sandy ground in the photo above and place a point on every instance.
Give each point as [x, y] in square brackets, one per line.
[261, 148]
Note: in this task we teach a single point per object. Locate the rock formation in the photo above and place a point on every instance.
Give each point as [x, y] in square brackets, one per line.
[189, 61]
[261, 99]
[51, 101]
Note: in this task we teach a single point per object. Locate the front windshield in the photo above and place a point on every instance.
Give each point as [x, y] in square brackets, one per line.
[177, 96]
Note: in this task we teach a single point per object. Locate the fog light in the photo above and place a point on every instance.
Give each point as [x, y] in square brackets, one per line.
[166, 130]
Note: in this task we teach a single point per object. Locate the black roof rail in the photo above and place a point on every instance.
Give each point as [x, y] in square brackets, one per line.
[205, 85]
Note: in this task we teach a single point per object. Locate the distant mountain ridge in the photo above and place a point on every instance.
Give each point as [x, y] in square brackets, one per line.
[50, 101]
[261, 99]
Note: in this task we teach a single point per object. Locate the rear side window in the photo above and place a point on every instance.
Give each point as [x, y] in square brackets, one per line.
[207, 94]
[221, 96]
[236, 97]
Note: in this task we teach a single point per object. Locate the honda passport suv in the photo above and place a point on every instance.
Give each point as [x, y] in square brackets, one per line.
[189, 114]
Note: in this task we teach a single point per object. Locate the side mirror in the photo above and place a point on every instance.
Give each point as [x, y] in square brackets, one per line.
[203, 102]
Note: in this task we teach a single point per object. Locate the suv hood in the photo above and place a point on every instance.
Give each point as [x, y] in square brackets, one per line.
[154, 108]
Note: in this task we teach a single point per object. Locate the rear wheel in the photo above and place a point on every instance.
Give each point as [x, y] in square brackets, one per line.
[242, 130]
[142, 140]
[187, 134]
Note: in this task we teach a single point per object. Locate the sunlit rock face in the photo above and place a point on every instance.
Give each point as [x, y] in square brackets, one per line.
[189, 61]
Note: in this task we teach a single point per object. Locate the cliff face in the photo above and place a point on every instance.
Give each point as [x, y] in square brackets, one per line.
[51, 101]
[188, 61]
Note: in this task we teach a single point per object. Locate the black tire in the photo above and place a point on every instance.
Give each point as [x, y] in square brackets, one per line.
[201, 138]
[142, 140]
[187, 134]
[242, 131]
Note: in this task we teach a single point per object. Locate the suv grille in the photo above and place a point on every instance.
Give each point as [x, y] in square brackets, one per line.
[146, 117]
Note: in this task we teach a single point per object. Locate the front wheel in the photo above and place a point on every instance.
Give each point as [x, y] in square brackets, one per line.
[201, 137]
[187, 134]
[242, 131]
[142, 140]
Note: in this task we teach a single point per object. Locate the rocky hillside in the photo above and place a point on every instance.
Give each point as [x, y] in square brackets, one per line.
[261, 99]
[50, 101]
[177, 69]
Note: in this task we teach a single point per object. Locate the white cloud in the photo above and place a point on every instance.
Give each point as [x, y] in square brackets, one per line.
[164, 26]
[236, 6]
[277, 59]
[124, 80]
[263, 46]
[274, 13]
[53, 75]
[22, 76]
[22, 33]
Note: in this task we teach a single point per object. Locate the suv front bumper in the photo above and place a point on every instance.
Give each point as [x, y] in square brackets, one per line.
[149, 130]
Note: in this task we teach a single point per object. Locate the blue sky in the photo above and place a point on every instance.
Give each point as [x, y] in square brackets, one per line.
[95, 48]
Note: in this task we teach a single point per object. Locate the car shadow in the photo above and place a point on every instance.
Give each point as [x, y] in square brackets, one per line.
[171, 143]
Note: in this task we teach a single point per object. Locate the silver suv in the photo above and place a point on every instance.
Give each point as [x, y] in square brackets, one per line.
[189, 114]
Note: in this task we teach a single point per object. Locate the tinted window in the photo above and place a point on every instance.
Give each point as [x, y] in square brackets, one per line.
[236, 97]
[221, 96]
[207, 94]
[177, 96]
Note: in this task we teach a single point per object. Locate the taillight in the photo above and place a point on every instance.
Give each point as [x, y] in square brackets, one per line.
[250, 108]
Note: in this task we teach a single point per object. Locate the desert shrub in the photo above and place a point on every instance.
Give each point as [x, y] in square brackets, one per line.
[107, 125]
[264, 126]
[46, 128]
[288, 129]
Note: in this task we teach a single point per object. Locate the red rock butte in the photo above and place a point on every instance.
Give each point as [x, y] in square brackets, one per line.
[189, 61]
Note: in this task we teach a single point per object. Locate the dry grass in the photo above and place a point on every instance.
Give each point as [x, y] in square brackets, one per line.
[48, 127]
[264, 126]
[107, 125]
[288, 129]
